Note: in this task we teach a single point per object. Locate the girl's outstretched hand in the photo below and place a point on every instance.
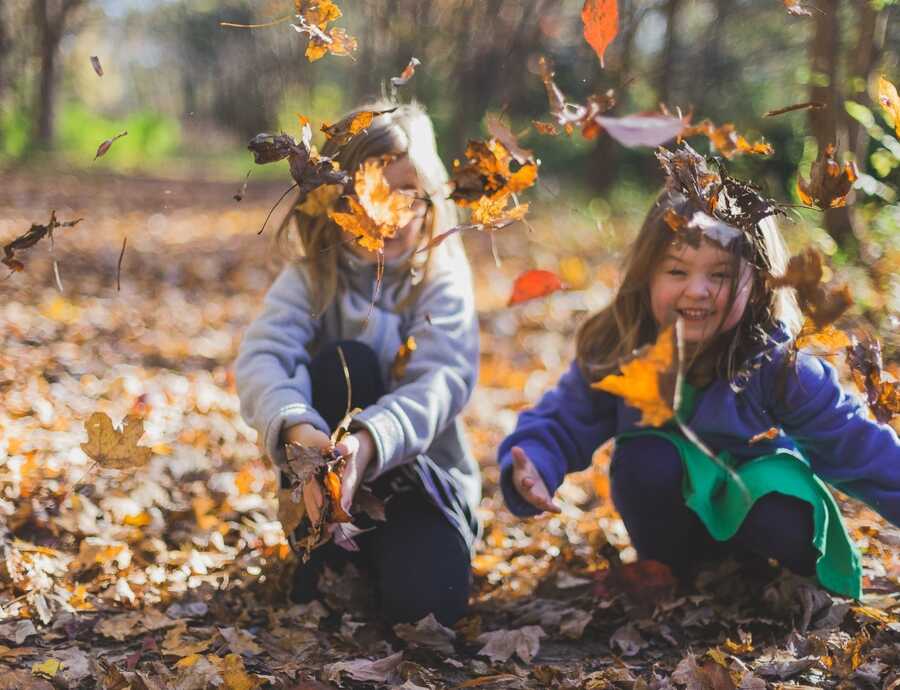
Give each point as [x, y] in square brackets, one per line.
[359, 449]
[529, 484]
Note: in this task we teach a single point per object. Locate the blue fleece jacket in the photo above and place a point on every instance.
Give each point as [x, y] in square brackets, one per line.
[843, 445]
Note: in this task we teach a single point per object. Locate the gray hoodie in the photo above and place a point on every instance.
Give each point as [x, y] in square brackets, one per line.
[416, 423]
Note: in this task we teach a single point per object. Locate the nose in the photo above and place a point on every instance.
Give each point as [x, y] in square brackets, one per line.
[698, 287]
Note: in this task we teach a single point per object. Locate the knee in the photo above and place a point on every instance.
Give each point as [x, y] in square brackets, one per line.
[448, 603]
[649, 466]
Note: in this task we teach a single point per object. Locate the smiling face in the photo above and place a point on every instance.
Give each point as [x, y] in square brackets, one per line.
[695, 284]
[402, 177]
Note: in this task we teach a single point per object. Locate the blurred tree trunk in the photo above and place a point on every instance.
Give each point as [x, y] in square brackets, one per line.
[872, 27]
[667, 59]
[50, 21]
[825, 122]
[4, 53]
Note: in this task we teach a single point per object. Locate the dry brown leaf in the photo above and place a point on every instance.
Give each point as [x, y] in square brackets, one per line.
[829, 183]
[111, 448]
[500, 645]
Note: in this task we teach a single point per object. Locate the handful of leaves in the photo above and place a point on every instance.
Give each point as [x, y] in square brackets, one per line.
[310, 508]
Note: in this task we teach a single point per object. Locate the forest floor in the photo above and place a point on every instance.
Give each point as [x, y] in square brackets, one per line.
[174, 575]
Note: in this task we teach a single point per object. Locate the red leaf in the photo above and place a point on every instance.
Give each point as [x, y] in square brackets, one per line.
[533, 284]
[601, 24]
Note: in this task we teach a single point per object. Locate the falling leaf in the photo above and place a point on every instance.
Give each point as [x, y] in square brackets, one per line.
[321, 200]
[766, 435]
[112, 448]
[533, 284]
[104, 147]
[502, 133]
[95, 63]
[882, 394]
[644, 379]
[309, 169]
[407, 73]
[795, 9]
[239, 194]
[804, 273]
[313, 18]
[377, 212]
[401, 359]
[570, 115]
[545, 127]
[829, 338]
[500, 645]
[344, 130]
[890, 101]
[807, 105]
[726, 140]
[650, 129]
[601, 24]
[829, 184]
[30, 238]
[488, 172]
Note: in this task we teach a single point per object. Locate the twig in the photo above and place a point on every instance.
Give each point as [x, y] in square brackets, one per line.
[119, 269]
[56, 275]
[272, 210]
[347, 379]
[274, 22]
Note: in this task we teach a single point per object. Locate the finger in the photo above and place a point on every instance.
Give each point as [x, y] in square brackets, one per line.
[520, 458]
[527, 483]
[348, 446]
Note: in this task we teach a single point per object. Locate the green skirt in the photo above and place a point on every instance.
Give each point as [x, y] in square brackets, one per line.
[722, 499]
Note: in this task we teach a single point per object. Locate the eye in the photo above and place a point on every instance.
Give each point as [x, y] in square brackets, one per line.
[722, 275]
[676, 272]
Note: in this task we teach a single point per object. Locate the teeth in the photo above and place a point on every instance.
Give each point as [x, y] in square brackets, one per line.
[694, 313]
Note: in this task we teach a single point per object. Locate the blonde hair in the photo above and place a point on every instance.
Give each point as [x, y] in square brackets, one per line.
[628, 323]
[317, 242]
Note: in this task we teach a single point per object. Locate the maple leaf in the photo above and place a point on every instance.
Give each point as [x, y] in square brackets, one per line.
[890, 101]
[804, 273]
[487, 172]
[110, 447]
[727, 141]
[645, 377]
[601, 24]
[377, 212]
[533, 284]
[105, 146]
[313, 18]
[321, 200]
[30, 238]
[829, 184]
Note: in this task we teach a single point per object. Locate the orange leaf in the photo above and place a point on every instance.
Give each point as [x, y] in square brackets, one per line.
[332, 482]
[601, 24]
[727, 141]
[401, 359]
[533, 284]
[829, 183]
[766, 435]
[645, 377]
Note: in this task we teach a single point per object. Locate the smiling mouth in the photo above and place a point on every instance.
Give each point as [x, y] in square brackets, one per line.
[694, 314]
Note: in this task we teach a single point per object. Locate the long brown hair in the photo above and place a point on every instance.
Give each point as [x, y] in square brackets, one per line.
[318, 241]
[628, 323]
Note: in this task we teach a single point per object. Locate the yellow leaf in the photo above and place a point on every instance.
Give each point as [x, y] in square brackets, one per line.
[48, 668]
[117, 449]
[639, 382]
[401, 359]
[890, 101]
[235, 677]
[828, 338]
[321, 200]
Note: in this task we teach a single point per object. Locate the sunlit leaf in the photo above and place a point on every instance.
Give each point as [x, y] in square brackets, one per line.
[533, 284]
[890, 101]
[601, 24]
[112, 448]
[829, 183]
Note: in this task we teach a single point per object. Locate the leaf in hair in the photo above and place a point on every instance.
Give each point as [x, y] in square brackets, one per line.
[647, 381]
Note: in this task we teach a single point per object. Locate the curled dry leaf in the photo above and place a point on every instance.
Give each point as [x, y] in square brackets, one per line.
[829, 183]
[104, 147]
[95, 63]
[647, 381]
[804, 273]
[571, 115]
[533, 284]
[111, 448]
[727, 141]
[239, 194]
[500, 645]
[766, 435]
[30, 238]
[890, 101]
[377, 671]
[487, 172]
[601, 24]
[408, 72]
[313, 18]
[344, 130]
[882, 394]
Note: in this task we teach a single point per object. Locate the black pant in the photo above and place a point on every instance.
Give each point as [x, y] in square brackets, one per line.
[416, 560]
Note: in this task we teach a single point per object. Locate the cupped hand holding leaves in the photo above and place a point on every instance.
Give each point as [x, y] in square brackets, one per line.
[359, 449]
[308, 436]
[529, 484]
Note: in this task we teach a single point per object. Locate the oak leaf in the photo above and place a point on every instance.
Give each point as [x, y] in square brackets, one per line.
[601, 24]
[644, 379]
[109, 447]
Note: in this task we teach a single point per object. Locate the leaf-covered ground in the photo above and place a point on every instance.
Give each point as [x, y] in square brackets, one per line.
[174, 575]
